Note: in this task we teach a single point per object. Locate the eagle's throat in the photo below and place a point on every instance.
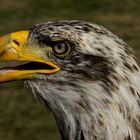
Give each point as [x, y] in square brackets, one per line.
[87, 111]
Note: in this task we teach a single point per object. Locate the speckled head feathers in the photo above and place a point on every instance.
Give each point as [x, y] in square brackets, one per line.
[96, 94]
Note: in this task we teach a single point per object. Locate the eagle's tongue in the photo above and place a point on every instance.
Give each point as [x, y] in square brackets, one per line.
[7, 71]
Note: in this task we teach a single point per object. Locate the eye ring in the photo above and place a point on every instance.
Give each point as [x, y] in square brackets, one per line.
[61, 49]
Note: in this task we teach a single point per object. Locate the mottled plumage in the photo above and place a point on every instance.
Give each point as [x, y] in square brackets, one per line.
[96, 94]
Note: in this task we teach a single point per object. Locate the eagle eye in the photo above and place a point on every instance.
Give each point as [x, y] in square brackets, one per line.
[61, 49]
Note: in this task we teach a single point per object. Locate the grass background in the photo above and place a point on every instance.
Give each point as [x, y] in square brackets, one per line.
[21, 116]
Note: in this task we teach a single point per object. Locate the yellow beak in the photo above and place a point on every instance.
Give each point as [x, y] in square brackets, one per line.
[16, 64]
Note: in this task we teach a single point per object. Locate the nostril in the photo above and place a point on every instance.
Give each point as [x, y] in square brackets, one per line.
[16, 42]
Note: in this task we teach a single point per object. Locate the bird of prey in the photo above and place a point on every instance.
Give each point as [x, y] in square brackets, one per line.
[82, 72]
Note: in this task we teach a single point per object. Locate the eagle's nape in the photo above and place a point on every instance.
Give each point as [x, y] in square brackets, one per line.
[85, 74]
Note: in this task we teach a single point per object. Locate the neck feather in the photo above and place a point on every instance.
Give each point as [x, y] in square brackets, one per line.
[87, 111]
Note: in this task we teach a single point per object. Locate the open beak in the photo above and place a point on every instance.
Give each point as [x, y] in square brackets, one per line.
[16, 64]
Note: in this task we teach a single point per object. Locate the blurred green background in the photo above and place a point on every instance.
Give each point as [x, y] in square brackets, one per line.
[21, 116]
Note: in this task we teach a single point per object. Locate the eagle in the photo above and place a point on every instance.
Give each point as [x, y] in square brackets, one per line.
[86, 75]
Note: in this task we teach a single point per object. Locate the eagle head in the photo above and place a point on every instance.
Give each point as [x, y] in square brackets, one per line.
[82, 72]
